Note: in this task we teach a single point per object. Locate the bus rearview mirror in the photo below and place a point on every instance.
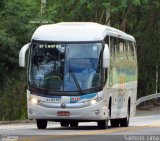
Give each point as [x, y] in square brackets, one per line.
[22, 55]
[106, 56]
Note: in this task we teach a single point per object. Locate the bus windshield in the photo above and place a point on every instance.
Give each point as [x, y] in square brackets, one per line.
[65, 67]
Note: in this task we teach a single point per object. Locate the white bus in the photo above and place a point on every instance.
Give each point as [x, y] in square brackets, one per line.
[80, 72]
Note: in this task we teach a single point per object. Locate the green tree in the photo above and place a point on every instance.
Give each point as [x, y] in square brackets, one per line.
[15, 31]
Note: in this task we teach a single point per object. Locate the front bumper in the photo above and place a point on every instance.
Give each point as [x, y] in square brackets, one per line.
[98, 111]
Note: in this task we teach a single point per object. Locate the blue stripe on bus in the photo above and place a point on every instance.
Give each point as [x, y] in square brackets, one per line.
[74, 99]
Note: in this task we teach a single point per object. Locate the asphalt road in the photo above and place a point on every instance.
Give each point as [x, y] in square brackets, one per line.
[144, 128]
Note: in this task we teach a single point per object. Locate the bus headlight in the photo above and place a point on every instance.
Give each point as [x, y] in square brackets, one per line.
[33, 100]
[93, 101]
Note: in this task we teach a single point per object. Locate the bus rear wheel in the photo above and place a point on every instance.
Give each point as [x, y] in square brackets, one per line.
[124, 122]
[41, 124]
[102, 124]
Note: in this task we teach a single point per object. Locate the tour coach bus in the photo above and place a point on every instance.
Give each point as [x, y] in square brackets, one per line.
[79, 72]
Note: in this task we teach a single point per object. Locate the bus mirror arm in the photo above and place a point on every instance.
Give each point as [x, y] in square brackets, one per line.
[106, 56]
[22, 55]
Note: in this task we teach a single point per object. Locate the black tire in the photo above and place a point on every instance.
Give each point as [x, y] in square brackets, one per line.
[64, 123]
[102, 124]
[124, 122]
[41, 124]
[114, 122]
[74, 124]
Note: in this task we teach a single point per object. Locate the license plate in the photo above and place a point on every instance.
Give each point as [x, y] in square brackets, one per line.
[63, 113]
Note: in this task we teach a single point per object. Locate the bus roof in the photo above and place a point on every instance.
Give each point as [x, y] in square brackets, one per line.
[77, 31]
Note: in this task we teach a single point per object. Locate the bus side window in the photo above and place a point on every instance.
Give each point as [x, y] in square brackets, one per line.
[122, 49]
[131, 49]
[135, 50]
[112, 47]
[106, 40]
[117, 48]
[128, 50]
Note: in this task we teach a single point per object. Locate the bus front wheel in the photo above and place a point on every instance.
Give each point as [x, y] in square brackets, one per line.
[102, 124]
[41, 124]
[64, 123]
[74, 124]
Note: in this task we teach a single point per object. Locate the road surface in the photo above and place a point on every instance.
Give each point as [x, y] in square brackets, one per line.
[145, 128]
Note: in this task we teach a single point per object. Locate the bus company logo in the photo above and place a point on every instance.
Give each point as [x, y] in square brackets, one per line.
[63, 105]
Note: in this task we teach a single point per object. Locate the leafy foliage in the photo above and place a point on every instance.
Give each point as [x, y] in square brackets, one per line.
[15, 31]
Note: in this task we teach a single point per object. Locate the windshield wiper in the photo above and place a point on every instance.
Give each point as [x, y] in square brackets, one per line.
[75, 81]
